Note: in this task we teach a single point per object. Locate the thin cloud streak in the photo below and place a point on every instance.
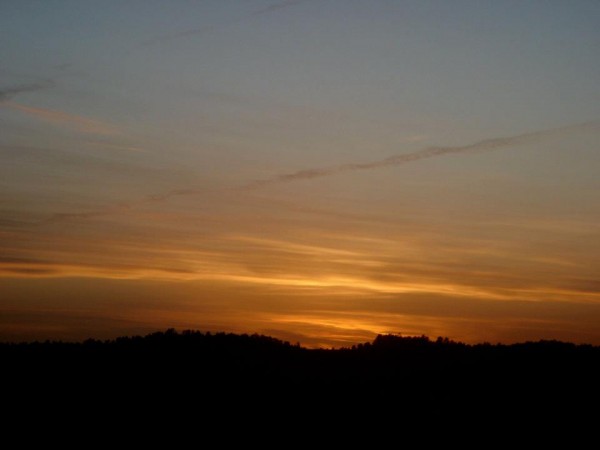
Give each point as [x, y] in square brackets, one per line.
[208, 29]
[80, 123]
[396, 160]
[426, 153]
[9, 92]
[276, 7]
[320, 172]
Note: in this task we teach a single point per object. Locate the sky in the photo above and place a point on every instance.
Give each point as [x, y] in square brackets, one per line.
[320, 171]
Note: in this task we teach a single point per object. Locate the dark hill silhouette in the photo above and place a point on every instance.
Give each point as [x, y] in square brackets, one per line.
[229, 374]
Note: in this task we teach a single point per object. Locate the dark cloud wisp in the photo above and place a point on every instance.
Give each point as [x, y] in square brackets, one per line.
[199, 31]
[8, 93]
[277, 6]
[485, 145]
[430, 152]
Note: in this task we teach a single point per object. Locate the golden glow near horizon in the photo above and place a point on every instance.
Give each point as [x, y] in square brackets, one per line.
[233, 166]
[312, 274]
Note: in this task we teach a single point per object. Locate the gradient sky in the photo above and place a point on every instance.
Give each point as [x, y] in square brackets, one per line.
[316, 170]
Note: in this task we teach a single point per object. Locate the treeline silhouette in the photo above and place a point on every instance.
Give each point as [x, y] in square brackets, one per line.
[231, 373]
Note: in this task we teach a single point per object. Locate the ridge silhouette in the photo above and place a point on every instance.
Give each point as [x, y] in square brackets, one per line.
[226, 373]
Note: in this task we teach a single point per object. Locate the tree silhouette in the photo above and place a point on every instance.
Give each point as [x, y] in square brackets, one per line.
[223, 370]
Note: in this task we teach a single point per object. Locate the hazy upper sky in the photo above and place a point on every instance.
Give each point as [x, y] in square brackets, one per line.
[317, 170]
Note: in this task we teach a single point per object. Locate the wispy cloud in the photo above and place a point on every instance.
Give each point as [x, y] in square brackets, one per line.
[396, 160]
[106, 144]
[426, 153]
[59, 217]
[199, 31]
[276, 7]
[320, 172]
[8, 93]
[79, 123]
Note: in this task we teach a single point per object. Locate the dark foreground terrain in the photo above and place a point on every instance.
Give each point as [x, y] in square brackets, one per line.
[236, 378]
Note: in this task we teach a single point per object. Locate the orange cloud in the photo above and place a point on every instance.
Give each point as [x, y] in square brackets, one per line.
[79, 123]
[204, 266]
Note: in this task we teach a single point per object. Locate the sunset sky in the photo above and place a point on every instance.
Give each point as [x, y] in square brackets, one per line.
[316, 170]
